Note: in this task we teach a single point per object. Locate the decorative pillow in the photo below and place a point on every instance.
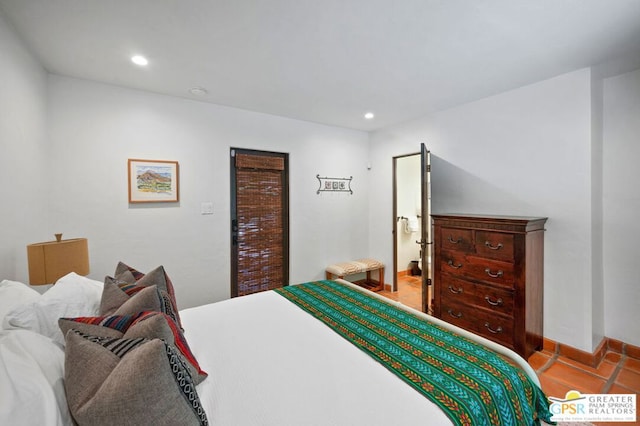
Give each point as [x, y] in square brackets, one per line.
[130, 281]
[14, 294]
[71, 296]
[150, 325]
[122, 268]
[111, 381]
[109, 326]
[157, 276]
[113, 296]
[148, 299]
[161, 326]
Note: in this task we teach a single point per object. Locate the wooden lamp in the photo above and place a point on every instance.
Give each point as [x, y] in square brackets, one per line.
[51, 260]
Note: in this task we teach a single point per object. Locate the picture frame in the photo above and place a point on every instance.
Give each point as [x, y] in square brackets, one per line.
[153, 181]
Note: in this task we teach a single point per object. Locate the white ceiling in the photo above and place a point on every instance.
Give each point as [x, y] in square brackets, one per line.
[329, 61]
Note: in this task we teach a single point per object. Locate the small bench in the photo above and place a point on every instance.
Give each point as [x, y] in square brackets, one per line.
[343, 269]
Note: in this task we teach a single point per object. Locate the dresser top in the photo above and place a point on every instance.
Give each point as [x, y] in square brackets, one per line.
[490, 221]
[489, 216]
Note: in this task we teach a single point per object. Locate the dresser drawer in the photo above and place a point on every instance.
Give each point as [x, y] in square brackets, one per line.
[456, 239]
[487, 324]
[480, 295]
[476, 268]
[495, 245]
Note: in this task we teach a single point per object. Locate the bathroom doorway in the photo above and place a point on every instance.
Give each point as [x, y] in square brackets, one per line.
[412, 229]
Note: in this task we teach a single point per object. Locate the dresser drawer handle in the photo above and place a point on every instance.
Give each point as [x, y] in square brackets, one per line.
[491, 302]
[455, 290]
[452, 241]
[450, 312]
[492, 275]
[488, 244]
[491, 330]
[458, 266]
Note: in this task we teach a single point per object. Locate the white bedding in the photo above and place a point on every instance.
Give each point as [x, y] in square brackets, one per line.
[271, 363]
[31, 380]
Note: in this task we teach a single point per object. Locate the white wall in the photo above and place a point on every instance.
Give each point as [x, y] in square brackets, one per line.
[522, 152]
[95, 128]
[621, 206]
[23, 154]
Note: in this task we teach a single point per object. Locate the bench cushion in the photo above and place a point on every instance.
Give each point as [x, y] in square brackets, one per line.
[354, 267]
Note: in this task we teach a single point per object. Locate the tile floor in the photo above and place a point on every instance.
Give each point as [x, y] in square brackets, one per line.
[409, 291]
[616, 373]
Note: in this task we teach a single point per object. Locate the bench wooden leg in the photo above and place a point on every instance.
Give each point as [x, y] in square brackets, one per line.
[373, 285]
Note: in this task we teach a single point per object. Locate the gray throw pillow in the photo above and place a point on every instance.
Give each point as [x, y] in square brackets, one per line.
[130, 281]
[149, 325]
[113, 381]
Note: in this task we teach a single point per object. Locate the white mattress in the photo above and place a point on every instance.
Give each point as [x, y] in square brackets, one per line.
[271, 363]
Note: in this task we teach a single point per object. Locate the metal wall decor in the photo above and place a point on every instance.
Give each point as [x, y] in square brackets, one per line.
[329, 184]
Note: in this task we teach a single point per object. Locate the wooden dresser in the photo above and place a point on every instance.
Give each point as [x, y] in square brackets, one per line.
[488, 277]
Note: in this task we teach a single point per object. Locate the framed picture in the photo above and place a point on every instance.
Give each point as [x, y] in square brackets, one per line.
[153, 181]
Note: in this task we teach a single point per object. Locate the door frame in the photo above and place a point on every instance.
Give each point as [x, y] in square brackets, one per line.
[426, 237]
[425, 219]
[395, 218]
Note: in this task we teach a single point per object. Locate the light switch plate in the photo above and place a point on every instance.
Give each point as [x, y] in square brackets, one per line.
[206, 208]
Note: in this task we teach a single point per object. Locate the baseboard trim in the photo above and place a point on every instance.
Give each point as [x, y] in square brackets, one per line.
[588, 358]
[404, 273]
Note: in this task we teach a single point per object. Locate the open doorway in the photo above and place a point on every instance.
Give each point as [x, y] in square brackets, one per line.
[412, 230]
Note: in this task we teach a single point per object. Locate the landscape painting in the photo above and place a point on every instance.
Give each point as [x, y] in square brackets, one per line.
[153, 181]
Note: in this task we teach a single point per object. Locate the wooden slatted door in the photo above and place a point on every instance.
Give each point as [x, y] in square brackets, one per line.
[259, 221]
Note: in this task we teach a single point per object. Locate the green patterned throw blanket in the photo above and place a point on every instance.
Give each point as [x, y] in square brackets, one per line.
[472, 384]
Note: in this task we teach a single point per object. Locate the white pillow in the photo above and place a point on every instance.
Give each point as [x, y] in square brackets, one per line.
[71, 296]
[75, 288]
[13, 294]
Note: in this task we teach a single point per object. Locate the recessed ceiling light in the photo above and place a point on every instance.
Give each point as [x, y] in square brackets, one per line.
[369, 116]
[139, 60]
[198, 91]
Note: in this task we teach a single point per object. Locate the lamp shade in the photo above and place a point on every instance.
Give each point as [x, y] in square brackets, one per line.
[52, 260]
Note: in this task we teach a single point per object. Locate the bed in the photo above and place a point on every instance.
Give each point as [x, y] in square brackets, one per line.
[317, 353]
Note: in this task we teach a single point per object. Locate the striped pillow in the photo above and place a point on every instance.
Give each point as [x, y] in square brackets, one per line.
[129, 281]
[145, 324]
[116, 302]
[111, 381]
